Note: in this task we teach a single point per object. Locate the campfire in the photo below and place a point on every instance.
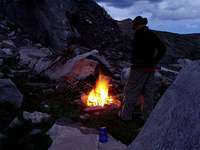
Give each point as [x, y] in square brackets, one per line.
[99, 97]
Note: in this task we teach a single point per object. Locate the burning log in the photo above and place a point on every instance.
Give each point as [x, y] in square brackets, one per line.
[99, 97]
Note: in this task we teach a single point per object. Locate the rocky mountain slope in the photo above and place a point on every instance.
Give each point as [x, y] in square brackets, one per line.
[65, 24]
[59, 24]
[178, 45]
[36, 88]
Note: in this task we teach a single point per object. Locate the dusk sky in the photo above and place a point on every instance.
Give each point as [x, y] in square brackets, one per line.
[179, 16]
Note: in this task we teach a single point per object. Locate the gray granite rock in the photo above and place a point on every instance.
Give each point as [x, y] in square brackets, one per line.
[174, 123]
[76, 68]
[79, 138]
[8, 44]
[10, 94]
[35, 117]
[11, 34]
[102, 61]
[8, 51]
[31, 55]
[27, 129]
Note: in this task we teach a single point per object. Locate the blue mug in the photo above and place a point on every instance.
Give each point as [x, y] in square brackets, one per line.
[103, 135]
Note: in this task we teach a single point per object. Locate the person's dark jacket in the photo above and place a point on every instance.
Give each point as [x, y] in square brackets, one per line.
[148, 49]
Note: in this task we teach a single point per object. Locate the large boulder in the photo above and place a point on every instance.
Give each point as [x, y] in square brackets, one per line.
[78, 67]
[9, 94]
[29, 56]
[174, 123]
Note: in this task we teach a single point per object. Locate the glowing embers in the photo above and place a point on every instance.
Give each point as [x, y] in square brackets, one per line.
[99, 95]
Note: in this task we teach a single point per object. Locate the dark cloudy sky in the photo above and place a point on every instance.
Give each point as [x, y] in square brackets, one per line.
[180, 16]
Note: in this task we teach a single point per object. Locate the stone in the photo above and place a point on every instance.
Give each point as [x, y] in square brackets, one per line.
[3, 27]
[117, 76]
[75, 69]
[8, 55]
[38, 45]
[19, 73]
[7, 51]
[36, 117]
[44, 64]
[102, 61]
[8, 44]
[70, 137]
[11, 34]
[46, 106]
[81, 70]
[1, 62]
[10, 94]
[30, 55]
[174, 123]
[28, 129]
[84, 116]
[39, 85]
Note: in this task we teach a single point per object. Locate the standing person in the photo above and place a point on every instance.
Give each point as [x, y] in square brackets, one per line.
[147, 52]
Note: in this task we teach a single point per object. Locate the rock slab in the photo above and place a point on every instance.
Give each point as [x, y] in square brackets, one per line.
[65, 137]
[174, 123]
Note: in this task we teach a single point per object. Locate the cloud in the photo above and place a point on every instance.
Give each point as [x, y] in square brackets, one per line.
[122, 3]
[117, 3]
[157, 9]
[173, 15]
[177, 10]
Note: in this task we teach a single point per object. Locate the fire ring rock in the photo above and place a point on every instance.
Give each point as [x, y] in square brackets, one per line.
[82, 69]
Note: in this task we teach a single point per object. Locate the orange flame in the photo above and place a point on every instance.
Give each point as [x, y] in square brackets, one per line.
[99, 95]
